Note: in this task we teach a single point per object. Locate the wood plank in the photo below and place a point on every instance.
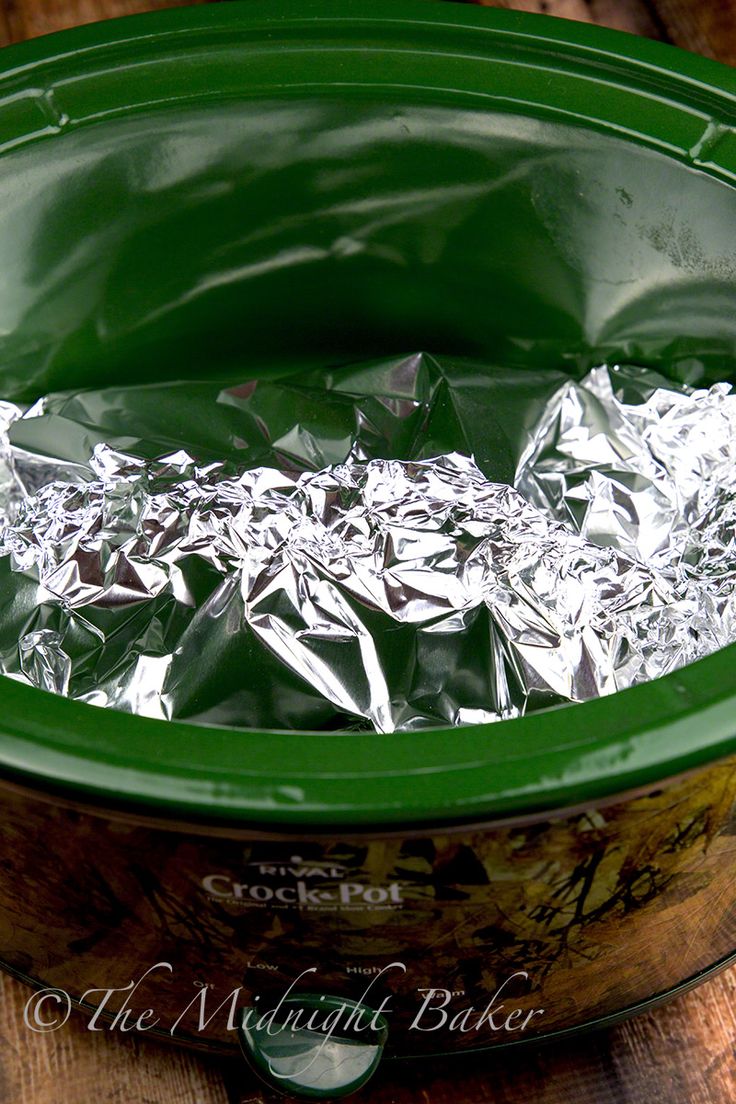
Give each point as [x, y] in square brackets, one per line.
[707, 27]
[10, 30]
[29, 18]
[77, 1066]
[623, 15]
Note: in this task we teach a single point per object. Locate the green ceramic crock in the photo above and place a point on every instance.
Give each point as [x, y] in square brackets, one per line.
[256, 187]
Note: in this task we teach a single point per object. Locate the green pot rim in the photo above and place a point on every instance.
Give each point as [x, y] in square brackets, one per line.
[648, 93]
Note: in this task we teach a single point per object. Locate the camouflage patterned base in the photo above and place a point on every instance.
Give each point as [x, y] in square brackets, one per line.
[600, 909]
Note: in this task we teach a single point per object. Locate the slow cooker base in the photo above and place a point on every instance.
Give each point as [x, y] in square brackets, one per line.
[194, 1042]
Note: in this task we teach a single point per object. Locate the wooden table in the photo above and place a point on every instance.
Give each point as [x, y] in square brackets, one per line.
[685, 1053]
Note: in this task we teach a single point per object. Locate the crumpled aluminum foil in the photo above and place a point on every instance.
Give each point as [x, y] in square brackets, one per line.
[380, 593]
[655, 478]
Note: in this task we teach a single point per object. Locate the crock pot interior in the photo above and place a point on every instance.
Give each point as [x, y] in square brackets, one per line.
[243, 237]
[172, 205]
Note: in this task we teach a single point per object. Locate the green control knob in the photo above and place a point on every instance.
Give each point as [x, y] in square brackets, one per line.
[313, 1045]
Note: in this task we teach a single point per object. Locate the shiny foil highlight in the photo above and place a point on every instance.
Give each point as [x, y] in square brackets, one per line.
[373, 591]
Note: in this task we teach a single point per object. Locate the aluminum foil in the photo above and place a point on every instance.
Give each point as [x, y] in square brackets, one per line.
[369, 591]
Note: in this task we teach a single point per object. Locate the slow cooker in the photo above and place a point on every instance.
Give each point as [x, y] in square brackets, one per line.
[273, 185]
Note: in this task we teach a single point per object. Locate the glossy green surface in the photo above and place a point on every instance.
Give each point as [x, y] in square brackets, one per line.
[334, 1061]
[255, 187]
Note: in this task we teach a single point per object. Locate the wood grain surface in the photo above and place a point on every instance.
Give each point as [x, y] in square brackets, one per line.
[684, 1053]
